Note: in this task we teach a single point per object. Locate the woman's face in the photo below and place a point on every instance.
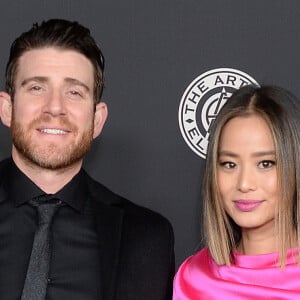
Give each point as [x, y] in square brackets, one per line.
[247, 174]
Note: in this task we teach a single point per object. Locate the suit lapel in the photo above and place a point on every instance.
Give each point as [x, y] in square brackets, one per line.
[109, 222]
[109, 226]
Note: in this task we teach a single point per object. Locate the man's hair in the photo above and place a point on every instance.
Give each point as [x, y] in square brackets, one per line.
[280, 109]
[63, 34]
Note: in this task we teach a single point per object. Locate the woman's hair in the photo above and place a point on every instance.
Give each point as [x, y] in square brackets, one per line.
[280, 109]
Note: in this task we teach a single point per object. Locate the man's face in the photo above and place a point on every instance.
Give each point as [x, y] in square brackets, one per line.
[53, 119]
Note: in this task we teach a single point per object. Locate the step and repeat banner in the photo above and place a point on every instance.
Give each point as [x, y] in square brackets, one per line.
[170, 67]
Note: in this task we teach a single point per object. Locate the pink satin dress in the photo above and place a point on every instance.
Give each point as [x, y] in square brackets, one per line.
[251, 277]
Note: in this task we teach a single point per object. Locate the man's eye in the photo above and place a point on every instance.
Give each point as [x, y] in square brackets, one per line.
[266, 164]
[74, 93]
[35, 88]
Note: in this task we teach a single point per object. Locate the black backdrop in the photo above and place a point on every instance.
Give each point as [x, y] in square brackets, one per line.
[154, 50]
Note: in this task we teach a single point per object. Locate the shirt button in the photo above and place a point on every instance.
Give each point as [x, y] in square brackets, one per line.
[49, 280]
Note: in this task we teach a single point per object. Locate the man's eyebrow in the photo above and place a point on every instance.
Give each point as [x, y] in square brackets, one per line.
[34, 78]
[77, 82]
[44, 79]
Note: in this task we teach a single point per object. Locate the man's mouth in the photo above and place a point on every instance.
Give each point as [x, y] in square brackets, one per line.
[53, 131]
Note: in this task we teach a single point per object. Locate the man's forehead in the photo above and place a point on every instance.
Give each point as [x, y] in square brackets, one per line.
[52, 62]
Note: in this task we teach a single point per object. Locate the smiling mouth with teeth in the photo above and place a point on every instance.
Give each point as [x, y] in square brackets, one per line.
[54, 131]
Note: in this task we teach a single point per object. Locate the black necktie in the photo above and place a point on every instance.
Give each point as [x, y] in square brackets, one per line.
[35, 285]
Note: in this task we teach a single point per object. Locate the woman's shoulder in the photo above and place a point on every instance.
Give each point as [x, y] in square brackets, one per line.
[196, 262]
[193, 275]
[198, 257]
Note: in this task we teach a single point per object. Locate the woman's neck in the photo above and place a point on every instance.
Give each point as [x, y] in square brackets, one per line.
[259, 240]
[252, 246]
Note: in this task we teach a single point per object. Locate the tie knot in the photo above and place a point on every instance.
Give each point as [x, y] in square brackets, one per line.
[46, 206]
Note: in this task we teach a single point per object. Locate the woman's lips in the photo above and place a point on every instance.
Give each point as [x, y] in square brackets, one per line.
[247, 205]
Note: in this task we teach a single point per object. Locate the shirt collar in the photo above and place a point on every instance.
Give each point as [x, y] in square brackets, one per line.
[21, 189]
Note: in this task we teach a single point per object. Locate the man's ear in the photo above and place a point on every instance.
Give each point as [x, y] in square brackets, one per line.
[101, 113]
[5, 108]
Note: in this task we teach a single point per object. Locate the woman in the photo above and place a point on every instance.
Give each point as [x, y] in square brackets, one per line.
[251, 202]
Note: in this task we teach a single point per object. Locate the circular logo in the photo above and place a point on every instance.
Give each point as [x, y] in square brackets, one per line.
[202, 101]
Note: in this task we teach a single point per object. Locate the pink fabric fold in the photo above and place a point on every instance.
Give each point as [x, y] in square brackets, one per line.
[251, 277]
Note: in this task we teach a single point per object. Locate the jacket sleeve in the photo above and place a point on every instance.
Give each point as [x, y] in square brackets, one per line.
[146, 266]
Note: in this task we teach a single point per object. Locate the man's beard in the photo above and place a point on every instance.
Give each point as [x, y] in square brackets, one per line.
[50, 155]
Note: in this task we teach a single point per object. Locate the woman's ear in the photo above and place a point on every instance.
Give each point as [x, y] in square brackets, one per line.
[101, 113]
[5, 108]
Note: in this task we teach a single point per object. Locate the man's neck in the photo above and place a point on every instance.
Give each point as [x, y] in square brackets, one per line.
[50, 181]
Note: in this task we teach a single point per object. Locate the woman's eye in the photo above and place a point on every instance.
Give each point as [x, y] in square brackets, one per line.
[228, 164]
[266, 164]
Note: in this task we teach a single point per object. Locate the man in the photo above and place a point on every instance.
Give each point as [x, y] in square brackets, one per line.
[100, 245]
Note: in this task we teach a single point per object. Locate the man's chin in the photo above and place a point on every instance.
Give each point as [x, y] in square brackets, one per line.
[54, 160]
[54, 163]
[50, 155]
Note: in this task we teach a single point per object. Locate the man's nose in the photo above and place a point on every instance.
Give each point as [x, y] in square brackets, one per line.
[55, 104]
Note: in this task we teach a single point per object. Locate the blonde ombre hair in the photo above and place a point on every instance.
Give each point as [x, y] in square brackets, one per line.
[280, 109]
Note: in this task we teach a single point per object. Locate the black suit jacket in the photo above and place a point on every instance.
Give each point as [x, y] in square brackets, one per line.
[136, 246]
